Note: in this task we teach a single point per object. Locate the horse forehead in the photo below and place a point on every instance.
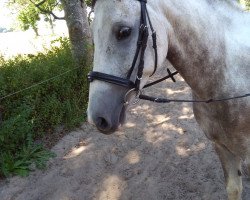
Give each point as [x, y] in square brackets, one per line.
[115, 9]
[108, 13]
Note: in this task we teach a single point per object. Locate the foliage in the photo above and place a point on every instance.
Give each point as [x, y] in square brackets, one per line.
[32, 112]
[88, 3]
[29, 11]
[247, 4]
[29, 14]
[29, 18]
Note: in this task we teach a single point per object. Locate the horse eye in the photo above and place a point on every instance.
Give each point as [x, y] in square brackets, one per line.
[123, 33]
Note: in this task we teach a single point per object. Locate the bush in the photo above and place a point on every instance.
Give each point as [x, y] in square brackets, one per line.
[38, 110]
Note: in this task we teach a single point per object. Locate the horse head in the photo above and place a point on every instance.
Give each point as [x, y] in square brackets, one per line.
[116, 28]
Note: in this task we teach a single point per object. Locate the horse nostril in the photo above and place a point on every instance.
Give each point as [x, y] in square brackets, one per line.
[102, 124]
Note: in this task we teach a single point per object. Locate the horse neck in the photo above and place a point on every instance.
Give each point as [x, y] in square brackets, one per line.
[197, 47]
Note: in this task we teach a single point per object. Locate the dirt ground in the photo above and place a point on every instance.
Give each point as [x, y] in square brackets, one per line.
[160, 153]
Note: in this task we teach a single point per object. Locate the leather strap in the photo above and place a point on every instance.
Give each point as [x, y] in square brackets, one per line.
[110, 79]
[170, 75]
[165, 100]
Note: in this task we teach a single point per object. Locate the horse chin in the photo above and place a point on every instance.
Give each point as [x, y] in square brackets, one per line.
[122, 118]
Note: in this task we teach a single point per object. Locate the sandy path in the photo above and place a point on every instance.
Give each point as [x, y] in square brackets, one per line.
[160, 154]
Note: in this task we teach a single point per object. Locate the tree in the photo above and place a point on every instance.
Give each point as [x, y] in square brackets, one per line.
[29, 18]
[79, 31]
[29, 12]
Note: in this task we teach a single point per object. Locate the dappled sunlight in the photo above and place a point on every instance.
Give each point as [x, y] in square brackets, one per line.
[77, 150]
[185, 150]
[172, 92]
[156, 137]
[186, 117]
[112, 188]
[198, 147]
[142, 111]
[129, 124]
[187, 110]
[182, 151]
[133, 157]
[172, 127]
[139, 108]
[160, 119]
[187, 113]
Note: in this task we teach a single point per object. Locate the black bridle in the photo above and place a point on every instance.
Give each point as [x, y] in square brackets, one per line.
[140, 54]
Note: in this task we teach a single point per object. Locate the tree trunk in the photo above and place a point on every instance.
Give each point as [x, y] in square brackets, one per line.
[79, 32]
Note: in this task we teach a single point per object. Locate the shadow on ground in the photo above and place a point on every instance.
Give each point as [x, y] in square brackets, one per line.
[160, 154]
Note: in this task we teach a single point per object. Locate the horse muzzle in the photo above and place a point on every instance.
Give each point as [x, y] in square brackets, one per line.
[106, 109]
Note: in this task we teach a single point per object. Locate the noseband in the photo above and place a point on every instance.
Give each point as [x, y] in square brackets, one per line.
[139, 54]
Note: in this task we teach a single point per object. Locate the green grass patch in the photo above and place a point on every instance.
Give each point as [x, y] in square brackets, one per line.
[40, 109]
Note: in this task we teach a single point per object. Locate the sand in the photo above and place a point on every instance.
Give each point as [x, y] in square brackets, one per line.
[161, 153]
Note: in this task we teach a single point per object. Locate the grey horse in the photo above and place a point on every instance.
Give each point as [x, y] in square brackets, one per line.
[207, 41]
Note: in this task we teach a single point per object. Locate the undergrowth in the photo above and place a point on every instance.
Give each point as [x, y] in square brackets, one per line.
[36, 111]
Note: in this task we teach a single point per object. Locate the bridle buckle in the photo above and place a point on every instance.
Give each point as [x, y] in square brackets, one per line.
[136, 97]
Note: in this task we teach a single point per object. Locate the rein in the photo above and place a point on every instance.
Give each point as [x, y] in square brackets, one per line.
[171, 75]
[139, 55]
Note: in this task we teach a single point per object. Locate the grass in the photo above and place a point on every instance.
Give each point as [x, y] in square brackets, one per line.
[37, 111]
